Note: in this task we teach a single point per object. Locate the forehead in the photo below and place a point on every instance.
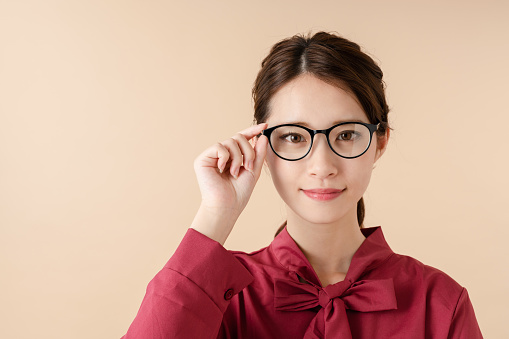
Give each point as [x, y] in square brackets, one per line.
[310, 101]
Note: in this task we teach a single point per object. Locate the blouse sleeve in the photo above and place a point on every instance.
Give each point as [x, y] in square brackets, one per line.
[464, 323]
[188, 297]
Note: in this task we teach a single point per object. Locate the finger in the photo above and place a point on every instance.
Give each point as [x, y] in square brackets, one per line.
[235, 156]
[242, 138]
[252, 131]
[219, 154]
[214, 156]
[247, 150]
[223, 155]
[260, 154]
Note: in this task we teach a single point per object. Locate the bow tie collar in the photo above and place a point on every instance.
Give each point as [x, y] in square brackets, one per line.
[333, 301]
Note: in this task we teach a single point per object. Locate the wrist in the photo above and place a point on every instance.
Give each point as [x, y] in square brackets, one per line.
[214, 223]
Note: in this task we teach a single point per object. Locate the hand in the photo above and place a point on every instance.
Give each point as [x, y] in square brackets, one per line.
[228, 171]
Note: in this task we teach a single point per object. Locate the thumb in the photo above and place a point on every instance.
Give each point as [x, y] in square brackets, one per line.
[260, 153]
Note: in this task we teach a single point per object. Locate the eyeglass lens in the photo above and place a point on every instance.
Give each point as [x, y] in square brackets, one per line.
[292, 142]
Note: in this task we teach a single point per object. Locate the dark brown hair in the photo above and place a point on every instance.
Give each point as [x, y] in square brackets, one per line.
[332, 59]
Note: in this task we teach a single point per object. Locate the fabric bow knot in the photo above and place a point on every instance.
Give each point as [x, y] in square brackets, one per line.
[331, 320]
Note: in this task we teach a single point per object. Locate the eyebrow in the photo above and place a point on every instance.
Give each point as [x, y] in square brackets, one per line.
[302, 123]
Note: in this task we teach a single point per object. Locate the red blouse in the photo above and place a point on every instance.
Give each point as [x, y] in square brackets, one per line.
[205, 291]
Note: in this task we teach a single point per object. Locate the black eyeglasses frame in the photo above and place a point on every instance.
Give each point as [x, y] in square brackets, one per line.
[371, 127]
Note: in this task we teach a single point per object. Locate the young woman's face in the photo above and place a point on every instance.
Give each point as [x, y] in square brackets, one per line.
[320, 105]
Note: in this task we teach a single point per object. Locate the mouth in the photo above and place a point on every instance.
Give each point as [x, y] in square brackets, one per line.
[323, 190]
[323, 194]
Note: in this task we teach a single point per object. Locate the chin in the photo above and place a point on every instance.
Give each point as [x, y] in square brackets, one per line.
[322, 216]
[325, 213]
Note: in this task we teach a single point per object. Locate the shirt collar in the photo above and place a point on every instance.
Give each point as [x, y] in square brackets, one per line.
[373, 251]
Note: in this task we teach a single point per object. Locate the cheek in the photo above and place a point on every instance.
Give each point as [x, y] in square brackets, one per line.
[361, 176]
[358, 174]
[281, 174]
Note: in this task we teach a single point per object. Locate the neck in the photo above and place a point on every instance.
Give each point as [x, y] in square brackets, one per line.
[329, 247]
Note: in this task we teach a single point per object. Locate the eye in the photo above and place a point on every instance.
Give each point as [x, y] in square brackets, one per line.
[292, 137]
[347, 135]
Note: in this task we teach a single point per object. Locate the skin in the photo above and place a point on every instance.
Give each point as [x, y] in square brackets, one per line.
[327, 232]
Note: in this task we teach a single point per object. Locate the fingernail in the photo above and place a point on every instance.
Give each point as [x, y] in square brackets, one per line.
[250, 165]
[237, 173]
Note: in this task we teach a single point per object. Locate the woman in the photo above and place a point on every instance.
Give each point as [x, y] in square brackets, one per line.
[322, 124]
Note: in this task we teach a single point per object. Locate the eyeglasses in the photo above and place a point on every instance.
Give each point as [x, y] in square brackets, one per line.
[293, 142]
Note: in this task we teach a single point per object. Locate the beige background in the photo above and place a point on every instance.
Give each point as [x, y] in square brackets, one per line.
[105, 104]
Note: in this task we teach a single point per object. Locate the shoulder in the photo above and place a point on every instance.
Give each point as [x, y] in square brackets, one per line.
[258, 257]
[411, 268]
[436, 296]
[262, 264]
[418, 283]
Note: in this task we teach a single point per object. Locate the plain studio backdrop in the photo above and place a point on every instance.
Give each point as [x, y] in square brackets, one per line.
[104, 105]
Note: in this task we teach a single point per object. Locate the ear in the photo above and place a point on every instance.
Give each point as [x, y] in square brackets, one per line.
[381, 144]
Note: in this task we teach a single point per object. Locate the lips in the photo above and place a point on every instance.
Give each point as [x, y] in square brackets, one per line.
[323, 194]
[323, 190]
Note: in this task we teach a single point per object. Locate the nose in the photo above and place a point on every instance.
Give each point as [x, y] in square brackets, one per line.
[322, 161]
